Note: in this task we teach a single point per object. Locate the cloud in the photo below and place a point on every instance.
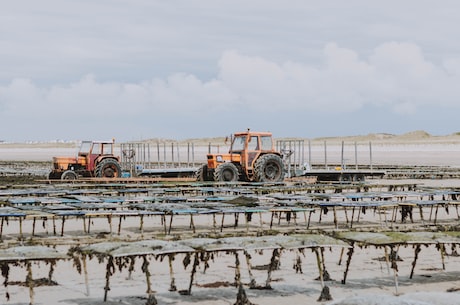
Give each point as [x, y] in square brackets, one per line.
[395, 76]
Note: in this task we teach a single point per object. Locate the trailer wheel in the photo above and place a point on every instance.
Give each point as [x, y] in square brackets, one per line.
[346, 178]
[108, 168]
[69, 175]
[269, 168]
[226, 172]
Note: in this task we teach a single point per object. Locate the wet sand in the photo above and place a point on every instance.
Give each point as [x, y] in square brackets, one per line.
[370, 280]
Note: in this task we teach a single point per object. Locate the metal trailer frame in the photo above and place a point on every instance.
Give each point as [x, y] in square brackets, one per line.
[158, 158]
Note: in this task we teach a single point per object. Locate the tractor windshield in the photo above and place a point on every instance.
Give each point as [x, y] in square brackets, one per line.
[85, 147]
[238, 143]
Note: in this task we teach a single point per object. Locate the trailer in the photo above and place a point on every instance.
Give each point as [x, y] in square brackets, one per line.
[172, 159]
[298, 165]
[343, 175]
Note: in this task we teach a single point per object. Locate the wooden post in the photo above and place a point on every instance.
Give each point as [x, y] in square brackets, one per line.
[350, 254]
[325, 294]
[170, 223]
[417, 251]
[192, 276]
[442, 249]
[192, 224]
[30, 281]
[1, 227]
[62, 227]
[274, 261]
[145, 269]
[108, 272]
[85, 271]
[20, 228]
[119, 225]
[109, 220]
[252, 283]
[33, 227]
[141, 226]
[172, 285]
[89, 224]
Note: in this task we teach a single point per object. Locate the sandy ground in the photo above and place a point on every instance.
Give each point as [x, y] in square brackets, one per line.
[370, 280]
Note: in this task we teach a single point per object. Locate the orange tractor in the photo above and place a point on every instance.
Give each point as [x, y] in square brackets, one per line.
[252, 157]
[94, 159]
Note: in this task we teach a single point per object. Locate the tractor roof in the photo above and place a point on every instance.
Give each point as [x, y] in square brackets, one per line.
[253, 133]
[99, 142]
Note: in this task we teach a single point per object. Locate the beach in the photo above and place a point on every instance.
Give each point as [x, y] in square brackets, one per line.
[370, 280]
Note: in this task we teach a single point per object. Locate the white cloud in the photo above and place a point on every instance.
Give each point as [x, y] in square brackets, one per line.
[395, 76]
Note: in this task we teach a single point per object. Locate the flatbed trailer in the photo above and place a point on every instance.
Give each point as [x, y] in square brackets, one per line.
[174, 160]
[321, 175]
[343, 175]
[178, 172]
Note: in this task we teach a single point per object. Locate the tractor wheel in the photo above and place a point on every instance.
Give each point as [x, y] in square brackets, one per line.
[202, 173]
[108, 168]
[54, 175]
[226, 172]
[69, 175]
[269, 168]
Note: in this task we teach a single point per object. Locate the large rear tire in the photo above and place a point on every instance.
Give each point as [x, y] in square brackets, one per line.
[269, 168]
[108, 168]
[226, 172]
[202, 173]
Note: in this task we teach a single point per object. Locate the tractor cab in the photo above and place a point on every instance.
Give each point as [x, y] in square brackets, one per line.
[250, 146]
[91, 151]
[94, 159]
[251, 157]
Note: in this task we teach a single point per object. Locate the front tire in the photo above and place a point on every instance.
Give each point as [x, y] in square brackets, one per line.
[108, 168]
[227, 172]
[269, 168]
[69, 175]
[54, 175]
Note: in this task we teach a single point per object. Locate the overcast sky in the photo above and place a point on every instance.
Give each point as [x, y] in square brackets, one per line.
[140, 69]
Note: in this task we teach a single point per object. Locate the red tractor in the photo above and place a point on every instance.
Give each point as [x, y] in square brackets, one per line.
[252, 157]
[94, 159]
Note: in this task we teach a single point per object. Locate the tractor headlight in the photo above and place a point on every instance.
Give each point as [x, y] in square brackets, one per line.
[219, 159]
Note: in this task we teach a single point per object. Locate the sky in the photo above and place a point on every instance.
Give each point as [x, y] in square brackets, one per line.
[181, 69]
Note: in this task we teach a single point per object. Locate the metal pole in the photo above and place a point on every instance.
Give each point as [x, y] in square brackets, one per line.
[158, 153]
[309, 153]
[188, 154]
[342, 161]
[325, 155]
[143, 155]
[164, 154]
[356, 156]
[193, 154]
[178, 154]
[290, 165]
[302, 161]
[370, 153]
[148, 157]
